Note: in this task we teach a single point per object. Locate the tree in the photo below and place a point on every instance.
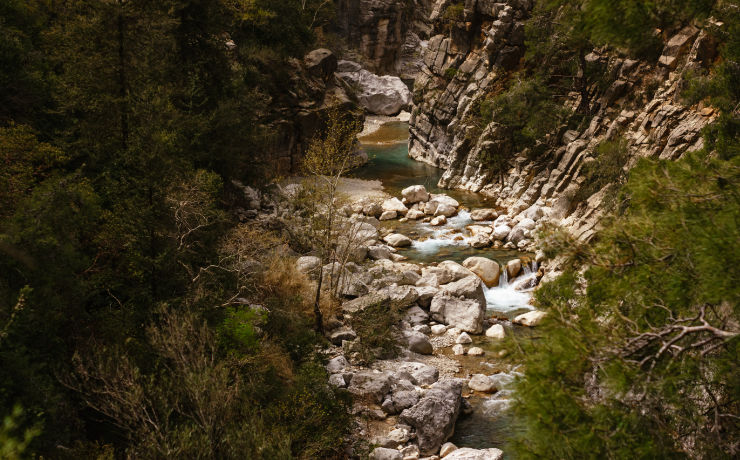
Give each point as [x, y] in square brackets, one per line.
[327, 159]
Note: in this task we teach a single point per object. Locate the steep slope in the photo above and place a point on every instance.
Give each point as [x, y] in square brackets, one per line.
[476, 49]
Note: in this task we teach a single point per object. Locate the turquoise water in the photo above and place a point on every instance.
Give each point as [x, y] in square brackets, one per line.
[387, 149]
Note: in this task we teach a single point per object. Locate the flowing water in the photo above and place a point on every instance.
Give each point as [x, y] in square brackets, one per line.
[387, 149]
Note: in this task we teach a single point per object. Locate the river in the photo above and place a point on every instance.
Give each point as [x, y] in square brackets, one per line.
[389, 163]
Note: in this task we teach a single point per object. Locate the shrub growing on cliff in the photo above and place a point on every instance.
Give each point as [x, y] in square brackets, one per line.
[646, 354]
[605, 170]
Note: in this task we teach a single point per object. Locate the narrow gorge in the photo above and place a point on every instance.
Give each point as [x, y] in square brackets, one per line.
[370, 229]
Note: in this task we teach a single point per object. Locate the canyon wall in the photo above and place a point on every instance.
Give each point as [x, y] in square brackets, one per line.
[470, 56]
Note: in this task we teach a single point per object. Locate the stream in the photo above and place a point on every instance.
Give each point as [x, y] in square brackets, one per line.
[389, 163]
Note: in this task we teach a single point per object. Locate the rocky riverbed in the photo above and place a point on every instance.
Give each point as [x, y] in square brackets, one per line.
[452, 315]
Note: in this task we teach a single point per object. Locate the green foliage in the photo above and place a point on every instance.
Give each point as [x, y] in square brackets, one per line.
[526, 110]
[12, 443]
[668, 261]
[605, 170]
[450, 73]
[454, 12]
[375, 328]
[120, 123]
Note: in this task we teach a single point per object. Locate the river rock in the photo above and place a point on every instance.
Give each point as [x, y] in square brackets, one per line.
[394, 204]
[476, 230]
[308, 265]
[383, 453]
[516, 235]
[415, 194]
[527, 224]
[430, 208]
[372, 208]
[446, 449]
[337, 380]
[501, 232]
[437, 221]
[400, 400]
[531, 319]
[399, 435]
[388, 215]
[458, 350]
[421, 374]
[370, 385]
[476, 351]
[482, 383]
[470, 287]
[403, 296]
[361, 303]
[397, 240]
[445, 210]
[466, 314]
[467, 453]
[480, 241]
[534, 212]
[386, 95]
[337, 364]
[419, 343]
[454, 271]
[410, 452]
[365, 231]
[487, 270]
[414, 214]
[434, 416]
[513, 267]
[426, 294]
[483, 214]
[416, 316]
[463, 338]
[439, 329]
[379, 252]
[496, 332]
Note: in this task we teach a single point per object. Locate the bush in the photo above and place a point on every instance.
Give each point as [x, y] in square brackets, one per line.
[606, 170]
[454, 12]
[375, 327]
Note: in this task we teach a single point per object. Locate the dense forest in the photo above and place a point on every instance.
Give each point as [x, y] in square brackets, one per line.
[129, 281]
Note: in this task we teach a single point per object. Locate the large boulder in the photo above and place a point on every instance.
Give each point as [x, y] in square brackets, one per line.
[483, 214]
[531, 319]
[397, 240]
[308, 265]
[369, 385]
[434, 416]
[500, 232]
[468, 453]
[513, 268]
[455, 270]
[482, 383]
[496, 332]
[394, 204]
[384, 453]
[421, 374]
[386, 95]
[419, 343]
[321, 63]
[430, 207]
[464, 314]
[487, 270]
[415, 194]
[470, 287]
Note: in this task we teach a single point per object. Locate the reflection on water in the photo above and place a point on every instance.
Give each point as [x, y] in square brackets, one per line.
[388, 151]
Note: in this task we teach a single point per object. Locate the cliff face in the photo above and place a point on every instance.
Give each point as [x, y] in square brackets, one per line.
[384, 35]
[469, 57]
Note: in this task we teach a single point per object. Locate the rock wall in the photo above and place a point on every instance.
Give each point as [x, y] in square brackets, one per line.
[384, 35]
[468, 58]
[301, 112]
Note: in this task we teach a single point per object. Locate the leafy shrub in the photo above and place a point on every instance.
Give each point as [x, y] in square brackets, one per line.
[607, 169]
[375, 327]
[450, 73]
[454, 12]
